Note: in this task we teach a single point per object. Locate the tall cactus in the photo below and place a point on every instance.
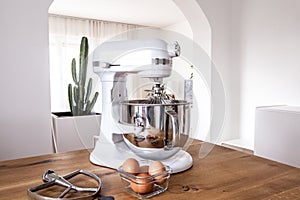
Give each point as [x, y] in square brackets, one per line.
[79, 95]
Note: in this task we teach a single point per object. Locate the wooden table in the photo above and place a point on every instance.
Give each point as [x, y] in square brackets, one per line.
[222, 174]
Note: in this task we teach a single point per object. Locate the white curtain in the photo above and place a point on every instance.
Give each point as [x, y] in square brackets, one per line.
[64, 42]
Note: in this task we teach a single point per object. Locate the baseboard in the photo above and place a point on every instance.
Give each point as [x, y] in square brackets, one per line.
[239, 145]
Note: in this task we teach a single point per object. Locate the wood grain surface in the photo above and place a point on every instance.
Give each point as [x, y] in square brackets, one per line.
[221, 174]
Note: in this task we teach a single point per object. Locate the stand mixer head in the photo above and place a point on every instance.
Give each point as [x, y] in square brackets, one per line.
[158, 120]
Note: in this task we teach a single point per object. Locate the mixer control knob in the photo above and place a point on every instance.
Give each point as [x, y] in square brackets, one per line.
[174, 49]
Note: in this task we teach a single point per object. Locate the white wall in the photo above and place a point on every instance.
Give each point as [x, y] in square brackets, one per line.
[182, 27]
[218, 13]
[199, 118]
[199, 33]
[269, 56]
[255, 46]
[25, 102]
[197, 21]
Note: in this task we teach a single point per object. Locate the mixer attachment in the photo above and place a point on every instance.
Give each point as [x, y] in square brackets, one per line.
[158, 95]
[51, 189]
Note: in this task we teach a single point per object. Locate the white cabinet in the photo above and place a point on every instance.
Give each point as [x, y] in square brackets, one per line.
[277, 134]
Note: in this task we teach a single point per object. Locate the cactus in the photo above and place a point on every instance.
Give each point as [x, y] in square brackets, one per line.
[79, 95]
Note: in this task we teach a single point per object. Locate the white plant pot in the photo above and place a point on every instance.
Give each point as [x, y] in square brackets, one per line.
[74, 132]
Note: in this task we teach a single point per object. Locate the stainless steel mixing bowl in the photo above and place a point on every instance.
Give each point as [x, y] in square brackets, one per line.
[164, 127]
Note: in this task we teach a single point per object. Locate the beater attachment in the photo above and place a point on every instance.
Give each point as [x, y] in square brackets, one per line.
[72, 192]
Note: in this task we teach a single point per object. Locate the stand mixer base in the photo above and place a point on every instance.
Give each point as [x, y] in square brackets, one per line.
[113, 155]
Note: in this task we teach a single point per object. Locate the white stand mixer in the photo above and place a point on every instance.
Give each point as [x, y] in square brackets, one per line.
[113, 61]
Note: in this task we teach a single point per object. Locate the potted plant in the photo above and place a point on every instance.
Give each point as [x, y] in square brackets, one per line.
[75, 129]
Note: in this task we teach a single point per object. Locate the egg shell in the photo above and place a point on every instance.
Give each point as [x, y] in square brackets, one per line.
[144, 169]
[155, 168]
[160, 179]
[142, 184]
[131, 166]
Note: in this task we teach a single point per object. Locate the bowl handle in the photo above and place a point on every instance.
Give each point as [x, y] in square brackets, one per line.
[170, 143]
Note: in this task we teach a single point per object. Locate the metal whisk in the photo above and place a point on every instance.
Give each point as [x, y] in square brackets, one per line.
[158, 95]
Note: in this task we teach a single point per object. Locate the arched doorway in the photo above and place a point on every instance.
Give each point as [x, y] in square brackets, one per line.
[197, 28]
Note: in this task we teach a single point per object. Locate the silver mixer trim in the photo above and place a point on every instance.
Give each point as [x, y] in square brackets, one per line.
[161, 61]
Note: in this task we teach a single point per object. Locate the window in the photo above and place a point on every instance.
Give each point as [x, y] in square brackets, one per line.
[64, 42]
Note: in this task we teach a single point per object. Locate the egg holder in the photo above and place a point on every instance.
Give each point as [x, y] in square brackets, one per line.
[160, 185]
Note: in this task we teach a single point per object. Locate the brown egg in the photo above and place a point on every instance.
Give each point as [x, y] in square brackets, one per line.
[142, 184]
[155, 168]
[131, 166]
[144, 169]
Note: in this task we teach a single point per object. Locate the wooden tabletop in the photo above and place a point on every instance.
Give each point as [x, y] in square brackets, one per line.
[222, 174]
